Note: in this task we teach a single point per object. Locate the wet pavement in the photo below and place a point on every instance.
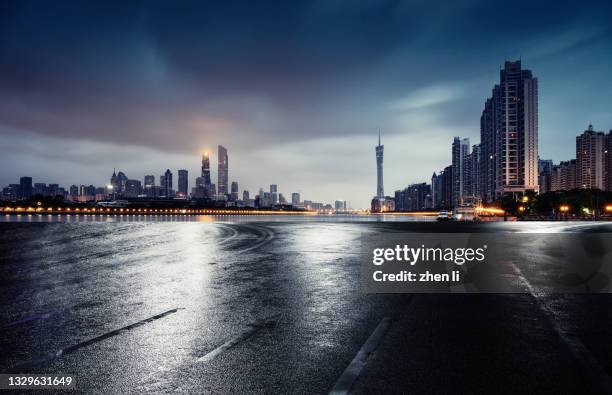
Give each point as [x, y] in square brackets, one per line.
[261, 306]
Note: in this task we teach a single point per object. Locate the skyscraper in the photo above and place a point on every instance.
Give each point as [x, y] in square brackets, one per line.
[274, 193]
[234, 193]
[436, 190]
[474, 158]
[608, 162]
[590, 162]
[460, 156]
[167, 185]
[380, 190]
[222, 171]
[488, 146]
[183, 183]
[447, 187]
[206, 175]
[509, 134]
[517, 143]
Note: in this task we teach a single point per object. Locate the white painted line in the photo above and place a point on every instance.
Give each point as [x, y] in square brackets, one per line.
[589, 364]
[350, 374]
[238, 339]
[227, 345]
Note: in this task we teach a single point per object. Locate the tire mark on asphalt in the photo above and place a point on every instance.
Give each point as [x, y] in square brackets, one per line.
[266, 233]
[592, 369]
[227, 239]
[70, 349]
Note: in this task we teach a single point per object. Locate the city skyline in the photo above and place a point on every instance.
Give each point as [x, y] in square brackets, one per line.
[299, 103]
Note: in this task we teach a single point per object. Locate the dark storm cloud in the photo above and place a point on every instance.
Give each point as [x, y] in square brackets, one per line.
[145, 74]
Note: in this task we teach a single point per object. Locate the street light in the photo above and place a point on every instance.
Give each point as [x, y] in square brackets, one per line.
[564, 208]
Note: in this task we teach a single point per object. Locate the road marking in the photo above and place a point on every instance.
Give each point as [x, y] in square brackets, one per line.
[350, 374]
[589, 364]
[73, 348]
[36, 317]
[254, 328]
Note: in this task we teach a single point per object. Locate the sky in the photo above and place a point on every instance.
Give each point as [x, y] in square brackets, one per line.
[296, 91]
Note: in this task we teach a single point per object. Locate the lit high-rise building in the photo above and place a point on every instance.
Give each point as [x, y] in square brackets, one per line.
[436, 190]
[206, 183]
[509, 134]
[223, 170]
[590, 162]
[473, 173]
[608, 162]
[460, 157]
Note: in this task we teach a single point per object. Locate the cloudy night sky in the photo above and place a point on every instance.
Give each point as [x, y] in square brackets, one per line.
[296, 91]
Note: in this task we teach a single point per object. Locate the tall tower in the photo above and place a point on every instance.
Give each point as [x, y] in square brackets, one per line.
[205, 179]
[222, 171]
[380, 190]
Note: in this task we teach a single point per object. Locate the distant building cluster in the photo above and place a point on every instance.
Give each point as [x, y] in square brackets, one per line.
[506, 161]
[121, 187]
[592, 168]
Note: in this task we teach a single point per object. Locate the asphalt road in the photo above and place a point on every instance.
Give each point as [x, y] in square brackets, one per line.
[276, 307]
